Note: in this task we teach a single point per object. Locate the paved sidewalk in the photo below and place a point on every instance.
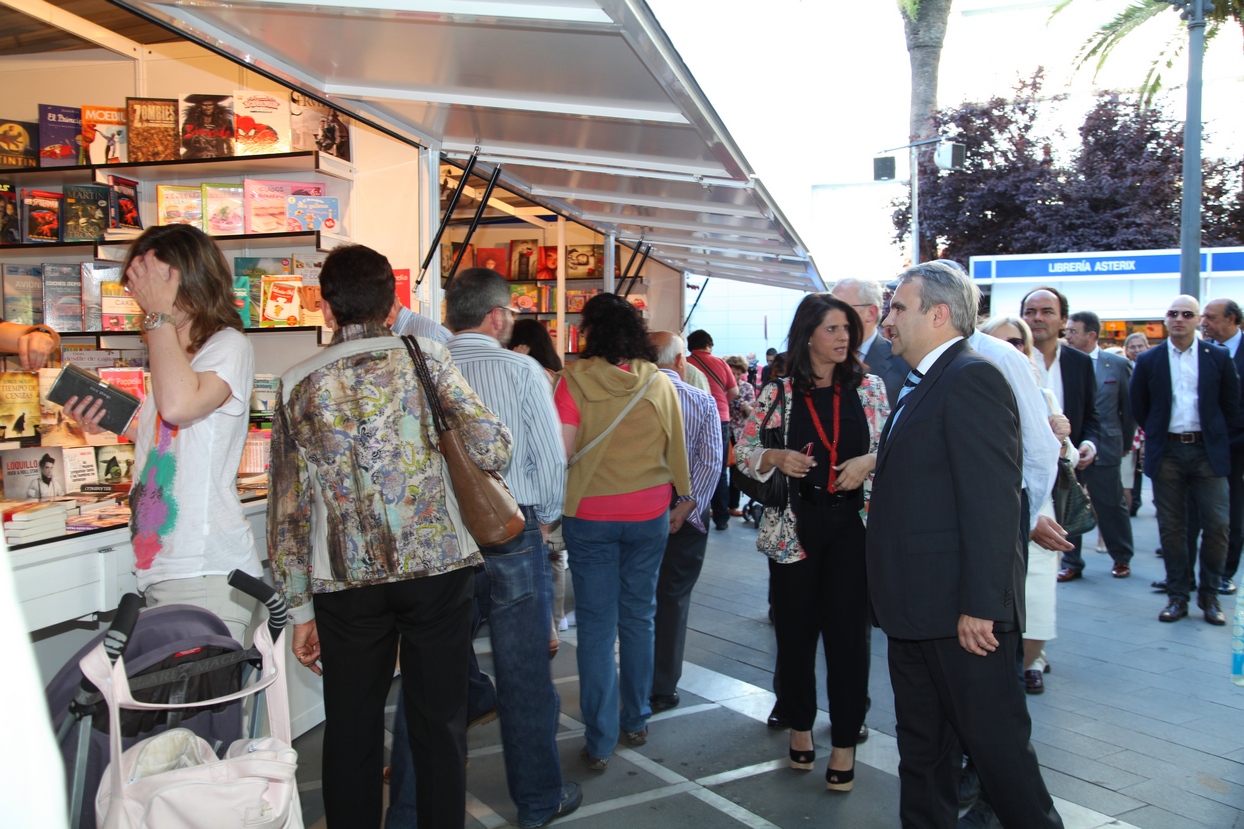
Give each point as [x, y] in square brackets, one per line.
[1139, 725]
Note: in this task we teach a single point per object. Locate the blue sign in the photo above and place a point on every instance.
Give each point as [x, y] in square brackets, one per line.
[1090, 266]
[1228, 262]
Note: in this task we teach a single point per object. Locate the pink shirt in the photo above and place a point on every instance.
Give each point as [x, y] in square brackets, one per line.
[720, 379]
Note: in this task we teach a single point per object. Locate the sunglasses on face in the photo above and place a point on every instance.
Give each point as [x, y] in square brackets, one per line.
[1172, 314]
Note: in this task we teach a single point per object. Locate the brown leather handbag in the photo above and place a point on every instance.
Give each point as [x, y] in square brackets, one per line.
[488, 508]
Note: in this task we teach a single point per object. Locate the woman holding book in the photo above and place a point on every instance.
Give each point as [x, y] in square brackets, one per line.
[831, 414]
[187, 524]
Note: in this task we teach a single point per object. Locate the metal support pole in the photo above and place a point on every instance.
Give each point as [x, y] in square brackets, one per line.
[449, 212]
[915, 205]
[609, 262]
[479, 213]
[698, 297]
[1190, 216]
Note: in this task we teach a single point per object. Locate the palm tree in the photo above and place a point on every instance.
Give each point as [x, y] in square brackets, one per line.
[924, 24]
[1098, 47]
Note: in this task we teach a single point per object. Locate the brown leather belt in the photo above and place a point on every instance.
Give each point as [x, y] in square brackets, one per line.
[1184, 437]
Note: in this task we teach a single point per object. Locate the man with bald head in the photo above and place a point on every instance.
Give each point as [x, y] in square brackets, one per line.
[874, 350]
[1186, 396]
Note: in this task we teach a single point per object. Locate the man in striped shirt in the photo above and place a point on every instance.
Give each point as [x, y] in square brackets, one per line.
[684, 552]
[518, 597]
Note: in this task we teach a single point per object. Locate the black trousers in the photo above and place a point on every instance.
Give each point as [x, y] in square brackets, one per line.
[360, 630]
[680, 569]
[1235, 537]
[720, 501]
[946, 701]
[824, 597]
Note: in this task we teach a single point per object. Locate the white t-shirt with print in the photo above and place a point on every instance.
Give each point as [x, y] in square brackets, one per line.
[187, 518]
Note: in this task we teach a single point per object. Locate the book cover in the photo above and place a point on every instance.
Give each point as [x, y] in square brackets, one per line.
[206, 125]
[19, 404]
[546, 298]
[62, 296]
[123, 203]
[115, 463]
[89, 357]
[104, 135]
[495, 259]
[80, 467]
[281, 301]
[152, 129]
[524, 298]
[307, 269]
[60, 136]
[242, 298]
[16, 537]
[255, 268]
[84, 211]
[134, 358]
[19, 144]
[94, 275]
[312, 213]
[265, 204]
[260, 122]
[468, 256]
[10, 224]
[118, 310]
[222, 209]
[131, 380]
[120, 404]
[34, 473]
[547, 262]
[23, 294]
[401, 286]
[179, 204]
[317, 126]
[523, 258]
[40, 216]
[580, 261]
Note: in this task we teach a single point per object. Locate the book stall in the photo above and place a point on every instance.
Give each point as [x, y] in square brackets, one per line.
[593, 163]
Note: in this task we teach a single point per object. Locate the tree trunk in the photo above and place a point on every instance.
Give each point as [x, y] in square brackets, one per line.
[925, 35]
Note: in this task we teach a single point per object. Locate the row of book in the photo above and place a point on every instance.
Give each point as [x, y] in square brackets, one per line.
[26, 522]
[78, 213]
[542, 299]
[196, 125]
[527, 259]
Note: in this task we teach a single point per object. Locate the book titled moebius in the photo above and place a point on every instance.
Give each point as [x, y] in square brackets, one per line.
[119, 405]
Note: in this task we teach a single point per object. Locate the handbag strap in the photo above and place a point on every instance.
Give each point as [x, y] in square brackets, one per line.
[780, 398]
[425, 379]
[635, 398]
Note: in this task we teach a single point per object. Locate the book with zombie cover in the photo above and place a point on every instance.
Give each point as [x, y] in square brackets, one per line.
[260, 122]
[123, 203]
[222, 209]
[23, 294]
[19, 144]
[62, 296]
[10, 223]
[40, 216]
[152, 124]
[60, 136]
[94, 275]
[104, 136]
[84, 212]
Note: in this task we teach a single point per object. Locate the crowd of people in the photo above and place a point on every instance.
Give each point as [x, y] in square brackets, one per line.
[895, 516]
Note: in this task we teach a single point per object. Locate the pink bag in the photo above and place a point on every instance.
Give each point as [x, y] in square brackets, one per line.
[175, 781]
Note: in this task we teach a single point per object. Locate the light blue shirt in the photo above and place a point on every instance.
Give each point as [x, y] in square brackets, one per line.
[1232, 345]
[517, 390]
[410, 324]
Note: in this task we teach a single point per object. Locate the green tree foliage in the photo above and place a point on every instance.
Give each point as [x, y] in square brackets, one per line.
[1120, 189]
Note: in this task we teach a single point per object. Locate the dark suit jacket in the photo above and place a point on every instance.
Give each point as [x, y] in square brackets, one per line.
[1237, 436]
[944, 519]
[1114, 408]
[892, 369]
[1218, 402]
[1079, 395]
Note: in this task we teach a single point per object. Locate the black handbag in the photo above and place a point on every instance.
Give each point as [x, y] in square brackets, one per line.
[1073, 510]
[775, 492]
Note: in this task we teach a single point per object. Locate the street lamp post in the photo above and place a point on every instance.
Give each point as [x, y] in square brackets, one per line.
[1193, 13]
[914, 148]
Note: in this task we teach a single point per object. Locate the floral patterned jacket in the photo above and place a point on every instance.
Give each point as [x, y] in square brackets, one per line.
[777, 538]
[358, 493]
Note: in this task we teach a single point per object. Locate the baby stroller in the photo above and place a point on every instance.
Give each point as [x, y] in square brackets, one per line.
[752, 512]
[182, 682]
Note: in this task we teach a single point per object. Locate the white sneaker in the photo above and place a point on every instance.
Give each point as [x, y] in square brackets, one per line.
[569, 620]
[563, 624]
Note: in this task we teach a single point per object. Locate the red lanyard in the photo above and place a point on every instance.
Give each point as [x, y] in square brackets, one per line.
[820, 432]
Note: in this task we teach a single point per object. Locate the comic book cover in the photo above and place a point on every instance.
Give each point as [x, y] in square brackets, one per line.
[119, 311]
[10, 224]
[62, 296]
[23, 294]
[312, 213]
[19, 144]
[523, 258]
[178, 204]
[222, 209]
[60, 136]
[152, 126]
[260, 122]
[19, 404]
[496, 259]
[317, 126]
[84, 212]
[206, 125]
[104, 135]
[94, 275]
[40, 216]
[123, 203]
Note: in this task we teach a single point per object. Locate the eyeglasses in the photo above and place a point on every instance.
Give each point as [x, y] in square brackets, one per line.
[1018, 342]
[511, 311]
[1173, 314]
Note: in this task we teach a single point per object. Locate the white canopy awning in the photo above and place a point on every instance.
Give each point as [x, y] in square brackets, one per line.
[584, 103]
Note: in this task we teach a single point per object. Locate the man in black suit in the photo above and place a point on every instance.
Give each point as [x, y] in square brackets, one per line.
[1118, 428]
[945, 565]
[1068, 374]
[1186, 396]
[1221, 322]
[874, 351]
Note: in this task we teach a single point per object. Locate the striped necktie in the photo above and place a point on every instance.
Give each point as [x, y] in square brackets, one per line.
[913, 379]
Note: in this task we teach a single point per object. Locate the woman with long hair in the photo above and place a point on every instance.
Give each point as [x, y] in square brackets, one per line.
[618, 514]
[531, 338]
[187, 524]
[832, 421]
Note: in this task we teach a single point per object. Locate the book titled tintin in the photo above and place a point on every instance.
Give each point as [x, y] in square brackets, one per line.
[19, 144]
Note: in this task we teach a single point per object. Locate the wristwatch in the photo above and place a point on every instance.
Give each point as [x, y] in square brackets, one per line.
[155, 319]
[42, 329]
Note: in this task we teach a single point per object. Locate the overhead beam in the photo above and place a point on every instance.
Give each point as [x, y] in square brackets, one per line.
[76, 26]
[522, 11]
[571, 194]
[781, 248]
[553, 156]
[626, 172]
[773, 282]
[741, 264]
[527, 214]
[625, 220]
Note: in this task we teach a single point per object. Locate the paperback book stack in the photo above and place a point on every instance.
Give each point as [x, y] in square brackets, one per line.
[35, 522]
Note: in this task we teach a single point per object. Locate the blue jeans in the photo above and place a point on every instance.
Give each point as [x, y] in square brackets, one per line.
[1185, 473]
[518, 607]
[614, 565]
